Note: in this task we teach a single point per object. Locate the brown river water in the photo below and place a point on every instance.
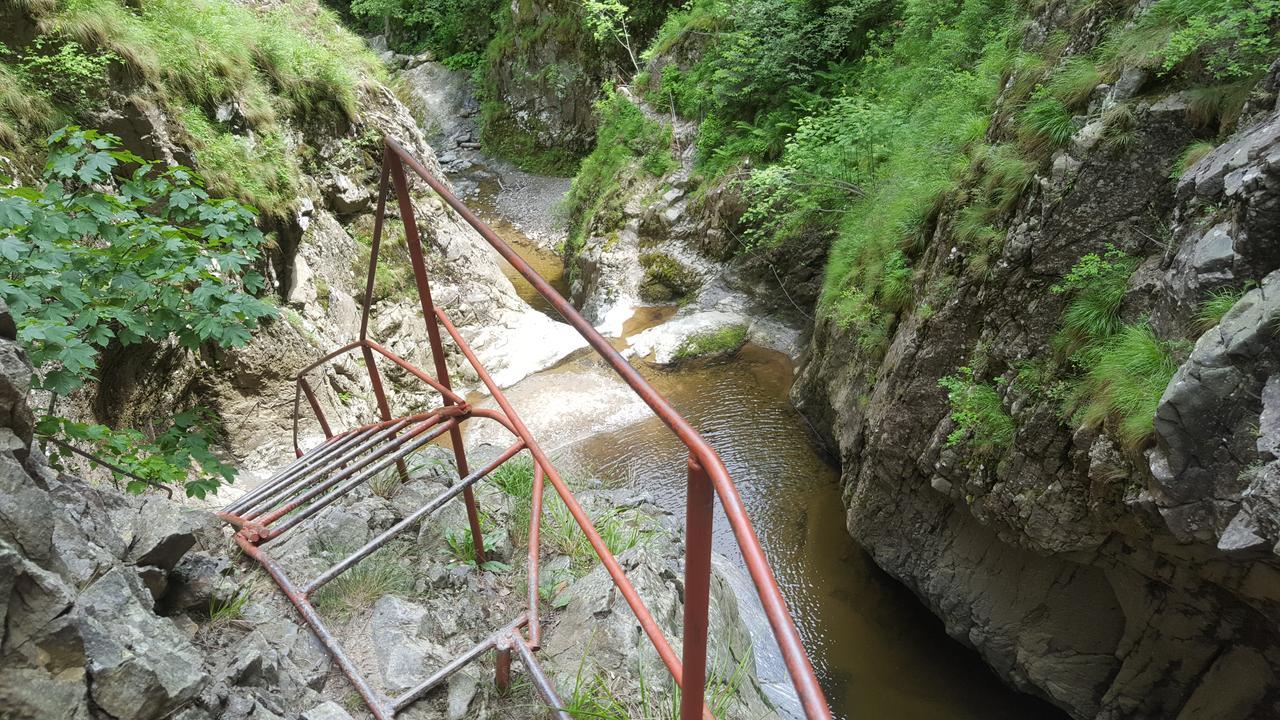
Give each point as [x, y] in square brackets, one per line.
[879, 654]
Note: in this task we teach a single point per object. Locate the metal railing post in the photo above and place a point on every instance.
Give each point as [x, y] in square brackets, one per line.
[502, 663]
[380, 395]
[414, 241]
[700, 503]
[315, 407]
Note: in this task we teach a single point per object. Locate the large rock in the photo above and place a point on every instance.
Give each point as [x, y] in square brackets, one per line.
[140, 665]
[1210, 422]
[597, 638]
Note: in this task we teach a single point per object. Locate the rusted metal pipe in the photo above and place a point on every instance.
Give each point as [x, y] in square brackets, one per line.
[409, 368]
[532, 572]
[315, 407]
[438, 502]
[414, 242]
[794, 655]
[502, 664]
[263, 503]
[540, 681]
[308, 460]
[424, 687]
[378, 215]
[376, 702]
[424, 435]
[699, 504]
[619, 576]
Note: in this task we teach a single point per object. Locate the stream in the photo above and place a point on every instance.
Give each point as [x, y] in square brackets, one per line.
[877, 651]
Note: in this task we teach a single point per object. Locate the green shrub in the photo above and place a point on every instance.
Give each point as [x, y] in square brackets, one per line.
[978, 414]
[1124, 378]
[148, 257]
[1097, 285]
[1223, 39]
[455, 31]
[714, 343]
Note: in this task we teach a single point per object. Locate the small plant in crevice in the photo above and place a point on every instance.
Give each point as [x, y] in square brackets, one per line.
[1217, 106]
[1194, 153]
[666, 279]
[619, 530]
[224, 611]
[387, 483]
[978, 413]
[1218, 303]
[1125, 375]
[365, 583]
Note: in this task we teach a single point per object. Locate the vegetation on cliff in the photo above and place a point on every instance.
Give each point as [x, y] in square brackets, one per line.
[163, 260]
[864, 126]
[231, 76]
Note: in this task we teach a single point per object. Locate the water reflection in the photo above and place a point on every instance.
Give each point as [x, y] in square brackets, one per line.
[877, 651]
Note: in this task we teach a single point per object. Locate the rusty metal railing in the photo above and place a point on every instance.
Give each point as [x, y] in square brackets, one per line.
[349, 458]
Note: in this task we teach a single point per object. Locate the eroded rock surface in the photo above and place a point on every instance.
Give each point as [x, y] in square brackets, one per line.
[1117, 582]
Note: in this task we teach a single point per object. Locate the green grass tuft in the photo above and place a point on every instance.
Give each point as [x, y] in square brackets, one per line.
[364, 584]
[1218, 303]
[1194, 153]
[1125, 376]
[1072, 83]
[1045, 124]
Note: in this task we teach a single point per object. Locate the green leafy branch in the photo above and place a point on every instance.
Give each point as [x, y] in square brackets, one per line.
[114, 250]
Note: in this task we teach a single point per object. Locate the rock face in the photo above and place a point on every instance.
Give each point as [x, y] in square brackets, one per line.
[546, 77]
[1117, 582]
[81, 636]
[318, 271]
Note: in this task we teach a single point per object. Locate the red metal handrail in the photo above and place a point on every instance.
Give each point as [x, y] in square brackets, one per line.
[707, 472]
[350, 458]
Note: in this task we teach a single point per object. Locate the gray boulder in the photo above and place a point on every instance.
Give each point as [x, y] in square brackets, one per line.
[140, 665]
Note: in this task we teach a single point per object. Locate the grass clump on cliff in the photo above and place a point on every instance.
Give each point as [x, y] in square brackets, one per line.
[715, 343]
[1124, 368]
[628, 143]
[1218, 304]
[227, 72]
[1096, 284]
[978, 414]
[1125, 377]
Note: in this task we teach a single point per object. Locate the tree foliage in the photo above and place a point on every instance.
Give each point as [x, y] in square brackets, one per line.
[114, 250]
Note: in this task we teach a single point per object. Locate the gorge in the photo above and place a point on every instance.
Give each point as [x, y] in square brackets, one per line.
[977, 300]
